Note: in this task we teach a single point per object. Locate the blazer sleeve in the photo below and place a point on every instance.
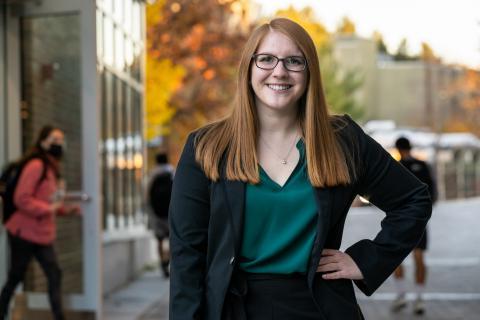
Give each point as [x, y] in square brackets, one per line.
[24, 196]
[406, 203]
[188, 218]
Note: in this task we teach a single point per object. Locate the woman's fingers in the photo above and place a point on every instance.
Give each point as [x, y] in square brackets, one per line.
[327, 259]
[328, 267]
[339, 265]
[334, 276]
[329, 252]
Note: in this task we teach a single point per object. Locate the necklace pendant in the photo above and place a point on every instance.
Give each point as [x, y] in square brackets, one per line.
[284, 161]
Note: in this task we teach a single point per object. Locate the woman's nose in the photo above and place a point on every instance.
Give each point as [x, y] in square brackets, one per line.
[280, 70]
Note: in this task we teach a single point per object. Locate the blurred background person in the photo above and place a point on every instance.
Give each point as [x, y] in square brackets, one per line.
[158, 198]
[38, 197]
[421, 170]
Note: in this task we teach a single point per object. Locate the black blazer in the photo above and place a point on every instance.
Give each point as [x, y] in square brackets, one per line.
[206, 220]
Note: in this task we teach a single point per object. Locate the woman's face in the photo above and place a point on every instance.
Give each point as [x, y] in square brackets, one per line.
[55, 137]
[279, 88]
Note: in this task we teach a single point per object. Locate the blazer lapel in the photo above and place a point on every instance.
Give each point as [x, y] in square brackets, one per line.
[235, 197]
[323, 198]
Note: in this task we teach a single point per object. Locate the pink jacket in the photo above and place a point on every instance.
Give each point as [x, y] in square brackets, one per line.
[34, 220]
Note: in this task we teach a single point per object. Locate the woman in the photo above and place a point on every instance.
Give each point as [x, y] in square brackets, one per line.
[32, 229]
[260, 198]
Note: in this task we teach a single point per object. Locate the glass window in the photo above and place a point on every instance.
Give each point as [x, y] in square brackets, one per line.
[120, 147]
[129, 57]
[119, 50]
[137, 63]
[108, 5]
[136, 21]
[108, 35]
[127, 18]
[120, 45]
[118, 11]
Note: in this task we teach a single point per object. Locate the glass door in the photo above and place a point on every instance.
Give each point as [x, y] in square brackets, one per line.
[52, 56]
[50, 91]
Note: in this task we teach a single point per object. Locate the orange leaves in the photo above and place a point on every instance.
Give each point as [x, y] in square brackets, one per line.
[165, 38]
[203, 38]
[219, 53]
[199, 63]
[209, 74]
[194, 40]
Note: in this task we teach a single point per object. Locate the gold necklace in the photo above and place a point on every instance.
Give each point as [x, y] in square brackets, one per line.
[283, 160]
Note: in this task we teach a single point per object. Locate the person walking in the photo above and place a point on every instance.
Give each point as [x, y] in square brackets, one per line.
[260, 198]
[31, 228]
[421, 170]
[159, 192]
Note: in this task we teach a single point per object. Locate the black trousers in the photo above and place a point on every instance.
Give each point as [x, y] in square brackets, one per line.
[21, 252]
[279, 297]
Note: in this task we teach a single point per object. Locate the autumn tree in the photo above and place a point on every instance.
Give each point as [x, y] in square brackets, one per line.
[427, 53]
[163, 78]
[203, 38]
[463, 94]
[346, 27]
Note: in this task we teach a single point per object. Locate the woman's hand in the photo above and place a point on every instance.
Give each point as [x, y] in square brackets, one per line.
[56, 206]
[74, 210]
[338, 265]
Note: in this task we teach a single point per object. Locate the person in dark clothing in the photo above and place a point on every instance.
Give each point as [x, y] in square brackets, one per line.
[159, 192]
[260, 198]
[32, 228]
[421, 170]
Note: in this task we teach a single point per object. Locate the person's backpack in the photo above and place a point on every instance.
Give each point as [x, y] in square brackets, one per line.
[160, 192]
[8, 183]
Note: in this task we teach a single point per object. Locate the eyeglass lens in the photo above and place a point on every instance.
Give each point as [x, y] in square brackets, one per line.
[268, 62]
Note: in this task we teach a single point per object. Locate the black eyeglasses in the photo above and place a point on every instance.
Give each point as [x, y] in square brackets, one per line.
[269, 62]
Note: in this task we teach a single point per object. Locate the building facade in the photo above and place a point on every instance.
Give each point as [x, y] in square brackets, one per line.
[412, 93]
[79, 65]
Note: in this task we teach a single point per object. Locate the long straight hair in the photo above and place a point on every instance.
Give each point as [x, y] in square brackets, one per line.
[233, 140]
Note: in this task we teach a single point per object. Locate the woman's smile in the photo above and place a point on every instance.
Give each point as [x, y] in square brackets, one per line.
[279, 87]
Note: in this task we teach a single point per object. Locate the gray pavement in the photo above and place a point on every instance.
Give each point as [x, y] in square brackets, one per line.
[453, 261]
[145, 298]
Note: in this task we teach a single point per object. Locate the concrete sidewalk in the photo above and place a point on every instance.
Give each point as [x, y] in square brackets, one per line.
[453, 258]
[143, 299]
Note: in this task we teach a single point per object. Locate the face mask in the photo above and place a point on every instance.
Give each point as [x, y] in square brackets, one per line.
[56, 151]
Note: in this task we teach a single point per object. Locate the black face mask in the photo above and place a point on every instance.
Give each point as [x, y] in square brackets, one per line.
[56, 151]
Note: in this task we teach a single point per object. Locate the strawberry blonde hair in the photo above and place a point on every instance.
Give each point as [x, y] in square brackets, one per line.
[231, 142]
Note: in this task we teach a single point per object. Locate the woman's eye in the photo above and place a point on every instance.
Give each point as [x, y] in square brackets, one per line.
[294, 61]
[266, 59]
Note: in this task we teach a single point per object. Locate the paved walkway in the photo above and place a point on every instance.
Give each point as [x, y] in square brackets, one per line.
[453, 259]
[145, 298]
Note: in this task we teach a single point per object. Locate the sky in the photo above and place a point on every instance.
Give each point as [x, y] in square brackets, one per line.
[450, 27]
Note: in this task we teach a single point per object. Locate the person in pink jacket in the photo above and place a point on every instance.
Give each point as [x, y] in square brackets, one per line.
[31, 228]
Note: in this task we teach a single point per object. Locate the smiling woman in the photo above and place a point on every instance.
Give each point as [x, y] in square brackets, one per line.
[260, 198]
[278, 85]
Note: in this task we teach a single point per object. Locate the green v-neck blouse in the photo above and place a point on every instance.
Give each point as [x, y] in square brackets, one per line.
[280, 222]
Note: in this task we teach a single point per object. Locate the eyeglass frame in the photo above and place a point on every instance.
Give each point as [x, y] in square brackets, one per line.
[278, 60]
